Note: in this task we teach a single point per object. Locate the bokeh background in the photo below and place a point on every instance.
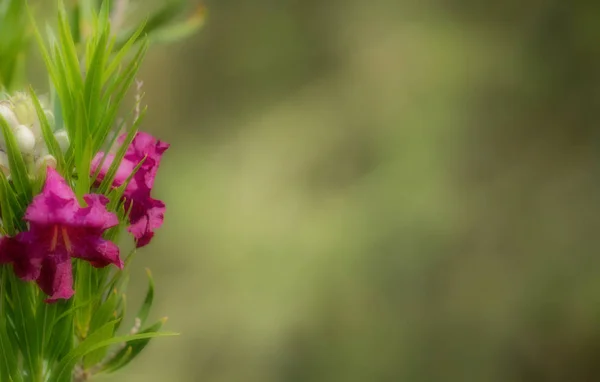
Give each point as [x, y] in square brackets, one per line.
[376, 191]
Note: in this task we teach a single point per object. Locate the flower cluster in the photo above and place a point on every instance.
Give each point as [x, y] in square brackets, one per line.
[75, 176]
[19, 113]
[60, 228]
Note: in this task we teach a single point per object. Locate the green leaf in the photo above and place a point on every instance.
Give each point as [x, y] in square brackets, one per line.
[103, 315]
[18, 169]
[96, 61]
[121, 276]
[61, 336]
[117, 91]
[145, 308]
[8, 356]
[131, 350]
[85, 292]
[123, 51]
[44, 316]
[121, 309]
[63, 369]
[109, 178]
[49, 139]
[70, 311]
[8, 214]
[56, 338]
[13, 44]
[68, 47]
[82, 186]
[25, 325]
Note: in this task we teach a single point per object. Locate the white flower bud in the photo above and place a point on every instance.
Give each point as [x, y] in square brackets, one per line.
[24, 109]
[46, 161]
[25, 139]
[9, 116]
[63, 139]
[26, 113]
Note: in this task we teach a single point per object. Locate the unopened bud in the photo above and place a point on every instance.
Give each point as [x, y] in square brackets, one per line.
[8, 115]
[26, 113]
[46, 161]
[24, 109]
[63, 139]
[25, 139]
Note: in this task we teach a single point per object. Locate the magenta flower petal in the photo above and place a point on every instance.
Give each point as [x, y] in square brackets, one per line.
[95, 215]
[56, 278]
[147, 214]
[125, 168]
[56, 204]
[5, 252]
[60, 229]
[146, 146]
[97, 251]
[143, 147]
[13, 250]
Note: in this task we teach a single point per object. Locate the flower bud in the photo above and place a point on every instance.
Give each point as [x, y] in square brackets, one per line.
[26, 113]
[24, 109]
[25, 139]
[46, 161]
[8, 115]
[63, 139]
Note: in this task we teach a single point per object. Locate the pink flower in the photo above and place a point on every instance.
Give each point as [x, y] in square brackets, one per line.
[60, 229]
[147, 214]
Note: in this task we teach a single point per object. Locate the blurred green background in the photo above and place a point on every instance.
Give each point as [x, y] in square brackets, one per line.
[377, 191]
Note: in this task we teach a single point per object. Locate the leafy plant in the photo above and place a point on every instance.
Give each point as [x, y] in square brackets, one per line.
[73, 178]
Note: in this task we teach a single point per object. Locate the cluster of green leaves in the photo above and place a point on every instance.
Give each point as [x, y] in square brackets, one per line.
[39, 342]
[90, 75]
[13, 42]
[91, 90]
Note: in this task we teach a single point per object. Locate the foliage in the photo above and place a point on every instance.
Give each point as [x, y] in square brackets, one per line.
[91, 68]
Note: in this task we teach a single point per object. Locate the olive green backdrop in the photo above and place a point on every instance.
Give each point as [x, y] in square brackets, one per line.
[377, 191]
